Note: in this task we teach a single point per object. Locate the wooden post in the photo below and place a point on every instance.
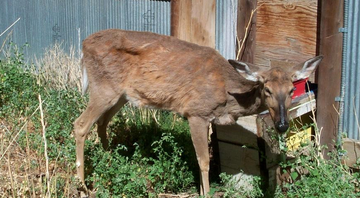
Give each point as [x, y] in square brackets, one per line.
[329, 72]
[194, 21]
[244, 10]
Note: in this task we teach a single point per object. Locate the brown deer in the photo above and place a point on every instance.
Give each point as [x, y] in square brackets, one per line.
[151, 70]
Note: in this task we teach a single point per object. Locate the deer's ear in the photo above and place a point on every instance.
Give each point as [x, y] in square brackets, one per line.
[242, 91]
[244, 70]
[304, 70]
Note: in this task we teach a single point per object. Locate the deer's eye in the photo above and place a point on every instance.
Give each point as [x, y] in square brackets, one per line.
[267, 91]
[292, 91]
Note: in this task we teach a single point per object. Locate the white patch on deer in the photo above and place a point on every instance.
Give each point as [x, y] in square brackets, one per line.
[252, 77]
[138, 103]
[225, 120]
[85, 81]
[134, 101]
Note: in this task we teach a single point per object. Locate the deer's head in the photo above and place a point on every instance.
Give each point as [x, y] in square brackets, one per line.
[277, 86]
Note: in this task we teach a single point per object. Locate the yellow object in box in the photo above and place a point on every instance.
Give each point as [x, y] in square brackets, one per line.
[295, 139]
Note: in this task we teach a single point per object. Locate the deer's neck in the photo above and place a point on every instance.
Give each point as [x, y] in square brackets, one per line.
[239, 105]
[248, 103]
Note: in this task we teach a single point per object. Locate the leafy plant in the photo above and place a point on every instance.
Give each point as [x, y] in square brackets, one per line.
[18, 88]
[139, 176]
[169, 172]
[311, 175]
[158, 165]
[19, 116]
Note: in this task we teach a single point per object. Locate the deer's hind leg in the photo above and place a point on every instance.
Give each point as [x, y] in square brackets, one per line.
[99, 103]
[105, 119]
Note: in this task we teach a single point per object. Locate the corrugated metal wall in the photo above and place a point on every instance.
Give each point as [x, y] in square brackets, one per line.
[350, 111]
[44, 22]
[226, 19]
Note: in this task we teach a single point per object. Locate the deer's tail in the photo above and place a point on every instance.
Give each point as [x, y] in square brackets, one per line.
[85, 80]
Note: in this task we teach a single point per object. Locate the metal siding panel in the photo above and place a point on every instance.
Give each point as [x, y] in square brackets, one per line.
[346, 81]
[219, 17]
[345, 115]
[44, 22]
[349, 77]
[354, 79]
[357, 60]
[352, 88]
[226, 17]
[351, 81]
[357, 57]
[356, 64]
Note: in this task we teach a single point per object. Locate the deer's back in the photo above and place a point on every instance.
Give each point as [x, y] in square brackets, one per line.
[157, 71]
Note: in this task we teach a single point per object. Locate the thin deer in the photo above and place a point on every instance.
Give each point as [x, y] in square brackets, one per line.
[163, 72]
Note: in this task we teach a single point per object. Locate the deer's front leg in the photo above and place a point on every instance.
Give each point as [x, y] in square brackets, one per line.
[199, 134]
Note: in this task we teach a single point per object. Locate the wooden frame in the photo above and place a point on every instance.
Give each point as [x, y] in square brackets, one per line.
[194, 21]
[329, 73]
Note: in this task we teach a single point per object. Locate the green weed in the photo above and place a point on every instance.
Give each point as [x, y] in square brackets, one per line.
[310, 175]
[158, 150]
[139, 176]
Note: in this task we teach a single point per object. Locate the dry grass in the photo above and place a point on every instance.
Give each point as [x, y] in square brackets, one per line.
[24, 171]
[59, 69]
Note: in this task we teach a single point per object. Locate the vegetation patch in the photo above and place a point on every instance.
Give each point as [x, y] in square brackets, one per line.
[309, 174]
[150, 153]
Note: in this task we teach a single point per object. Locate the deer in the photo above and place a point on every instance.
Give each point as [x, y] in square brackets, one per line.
[163, 72]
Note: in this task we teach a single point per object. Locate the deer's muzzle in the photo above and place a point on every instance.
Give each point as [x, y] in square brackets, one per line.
[283, 125]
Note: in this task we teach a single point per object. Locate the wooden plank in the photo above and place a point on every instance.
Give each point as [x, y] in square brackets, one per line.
[239, 134]
[175, 17]
[286, 31]
[181, 19]
[352, 148]
[194, 21]
[274, 175]
[329, 72]
[244, 12]
[235, 159]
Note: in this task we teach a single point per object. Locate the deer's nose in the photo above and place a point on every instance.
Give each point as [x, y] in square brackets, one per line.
[282, 126]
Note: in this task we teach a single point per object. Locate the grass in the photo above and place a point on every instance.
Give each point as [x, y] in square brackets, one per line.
[49, 169]
[24, 165]
[150, 155]
[309, 174]
[59, 70]
[151, 151]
